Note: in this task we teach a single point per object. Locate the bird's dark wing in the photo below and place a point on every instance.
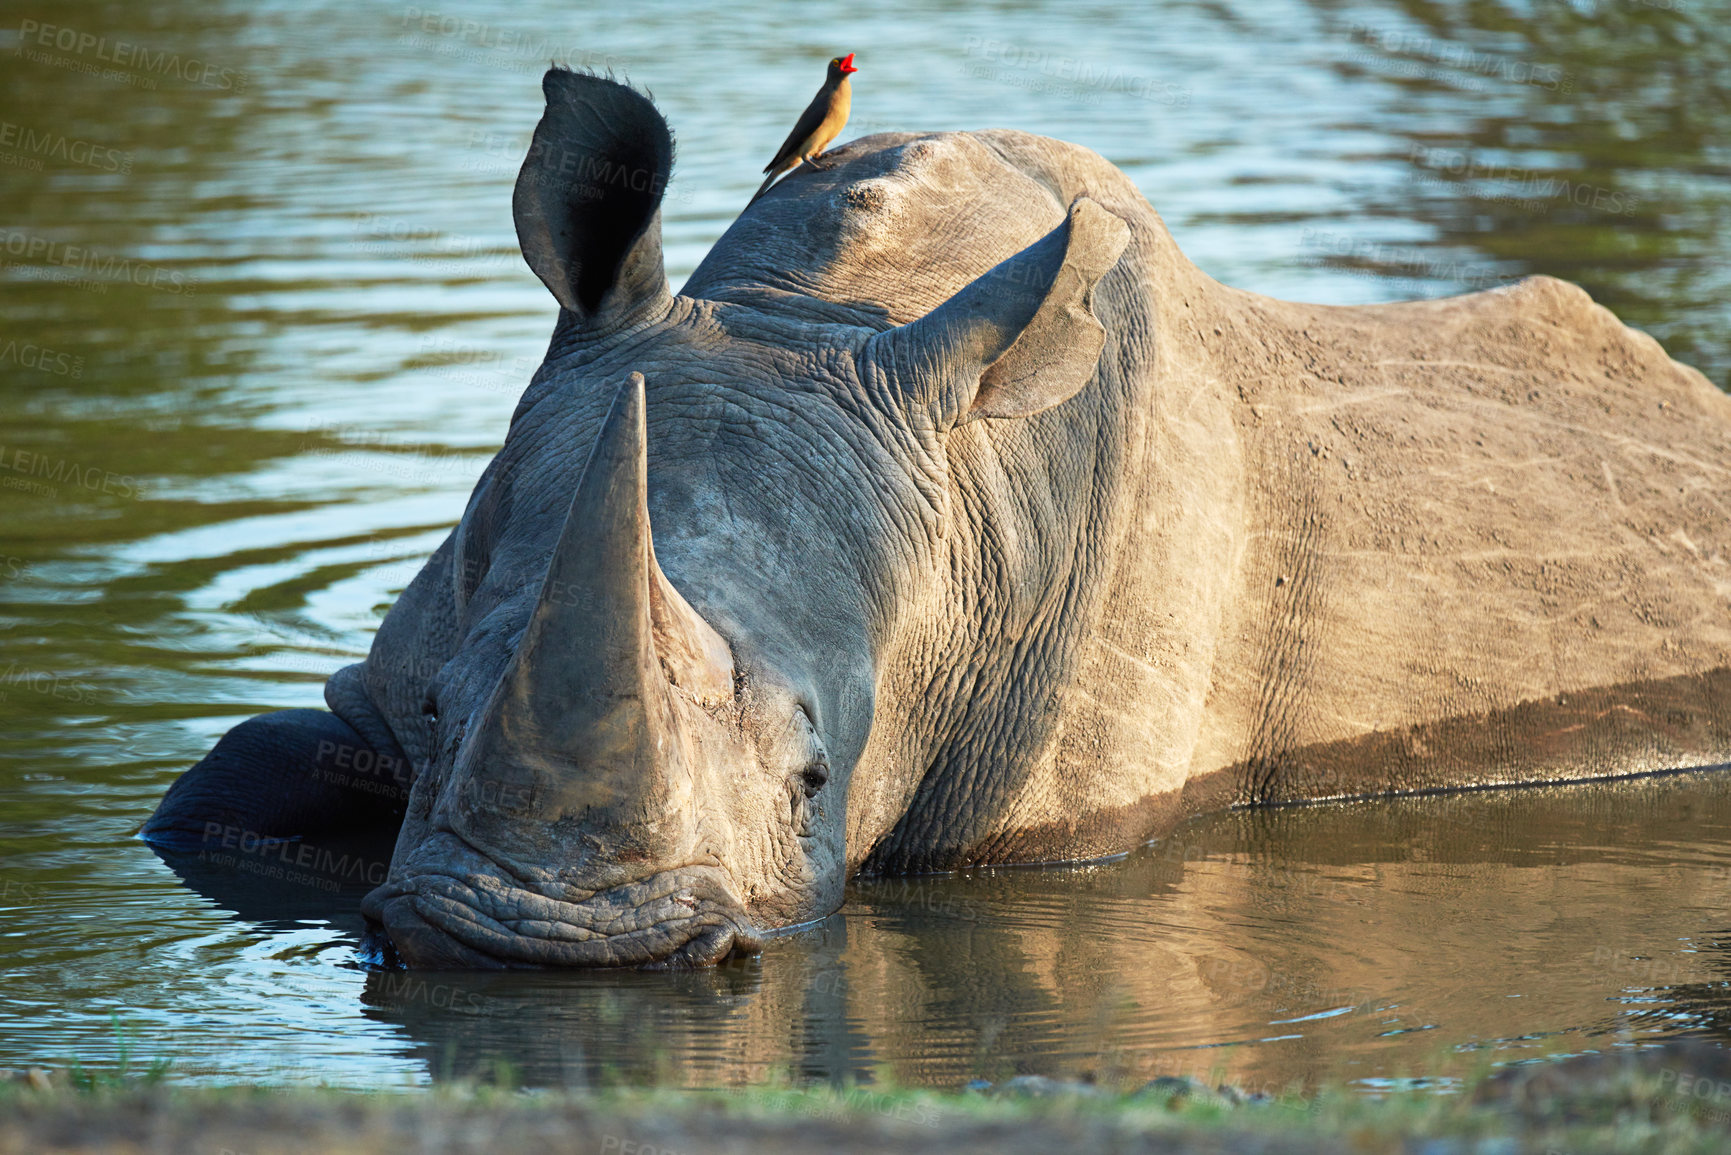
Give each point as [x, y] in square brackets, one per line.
[803, 127]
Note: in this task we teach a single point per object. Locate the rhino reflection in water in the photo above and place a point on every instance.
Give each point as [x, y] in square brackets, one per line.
[986, 528]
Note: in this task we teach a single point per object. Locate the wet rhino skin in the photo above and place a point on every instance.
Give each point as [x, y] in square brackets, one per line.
[949, 515]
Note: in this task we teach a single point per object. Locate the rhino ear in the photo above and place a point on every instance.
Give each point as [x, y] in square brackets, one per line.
[588, 198]
[1018, 339]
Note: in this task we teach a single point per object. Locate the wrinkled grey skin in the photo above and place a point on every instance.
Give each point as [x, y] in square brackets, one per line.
[923, 528]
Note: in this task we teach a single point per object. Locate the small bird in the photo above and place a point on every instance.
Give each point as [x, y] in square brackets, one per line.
[819, 124]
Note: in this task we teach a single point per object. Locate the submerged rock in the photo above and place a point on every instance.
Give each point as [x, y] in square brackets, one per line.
[1042, 1087]
[1682, 1077]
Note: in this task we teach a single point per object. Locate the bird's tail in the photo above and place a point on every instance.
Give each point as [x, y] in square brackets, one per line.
[763, 188]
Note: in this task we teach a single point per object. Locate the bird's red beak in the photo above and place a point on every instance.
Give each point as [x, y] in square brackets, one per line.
[847, 64]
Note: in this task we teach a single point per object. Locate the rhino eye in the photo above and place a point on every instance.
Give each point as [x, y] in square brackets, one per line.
[430, 710]
[814, 777]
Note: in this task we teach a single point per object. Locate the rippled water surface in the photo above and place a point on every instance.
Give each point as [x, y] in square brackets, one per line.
[288, 333]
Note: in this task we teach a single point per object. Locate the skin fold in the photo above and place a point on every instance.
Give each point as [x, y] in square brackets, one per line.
[950, 516]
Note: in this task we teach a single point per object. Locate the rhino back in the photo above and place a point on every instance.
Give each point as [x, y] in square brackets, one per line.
[1282, 551]
[1487, 542]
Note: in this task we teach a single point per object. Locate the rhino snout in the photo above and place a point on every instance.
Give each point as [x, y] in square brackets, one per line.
[467, 913]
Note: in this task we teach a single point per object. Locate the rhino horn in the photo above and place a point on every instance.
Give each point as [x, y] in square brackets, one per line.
[610, 633]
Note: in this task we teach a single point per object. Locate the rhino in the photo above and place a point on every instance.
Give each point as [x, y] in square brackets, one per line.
[950, 516]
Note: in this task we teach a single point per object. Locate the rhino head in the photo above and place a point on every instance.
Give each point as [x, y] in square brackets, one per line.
[712, 532]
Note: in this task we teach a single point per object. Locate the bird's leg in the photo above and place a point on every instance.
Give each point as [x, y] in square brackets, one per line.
[814, 162]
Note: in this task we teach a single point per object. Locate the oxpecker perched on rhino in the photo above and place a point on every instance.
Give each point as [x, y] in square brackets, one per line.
[820, 123]
[948, 516]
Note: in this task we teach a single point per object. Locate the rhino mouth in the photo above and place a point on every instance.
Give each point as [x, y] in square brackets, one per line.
[470, 914]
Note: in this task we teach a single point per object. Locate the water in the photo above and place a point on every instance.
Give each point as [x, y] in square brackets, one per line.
[236, 416]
